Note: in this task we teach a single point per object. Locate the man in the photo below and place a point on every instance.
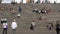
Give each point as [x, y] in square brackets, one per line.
[14, 26]
[5, 20]
[5, 27]
[32, 25]
[20, 9]
[57, 28]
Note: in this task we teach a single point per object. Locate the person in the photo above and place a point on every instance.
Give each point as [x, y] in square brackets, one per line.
[20, 9]
[35, 10]
[13, 11]
[18, 15]
[48, 10]
[57, 28]
[39, 11]
[5, 27]
[32, 25]
[3, 20]
[40, 18]
[43, 11]
[50, 26]
[13, 2]
[14, 26]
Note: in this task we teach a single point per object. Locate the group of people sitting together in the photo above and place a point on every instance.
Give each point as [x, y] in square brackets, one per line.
[43, 11]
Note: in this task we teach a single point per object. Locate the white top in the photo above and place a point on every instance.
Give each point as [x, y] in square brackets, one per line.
[5, 25]
[14, 25]
[39, 11]
[18, 15]
[33, 23]
[5, 19]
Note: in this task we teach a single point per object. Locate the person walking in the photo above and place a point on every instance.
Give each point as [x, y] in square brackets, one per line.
[14, 26]
[5, 27]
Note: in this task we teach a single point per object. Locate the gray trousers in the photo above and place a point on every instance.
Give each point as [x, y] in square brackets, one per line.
[14, 31]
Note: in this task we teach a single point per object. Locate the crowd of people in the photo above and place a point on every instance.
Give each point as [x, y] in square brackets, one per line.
[32, 27]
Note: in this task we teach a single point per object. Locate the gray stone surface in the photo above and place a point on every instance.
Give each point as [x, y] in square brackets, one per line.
[27, 16]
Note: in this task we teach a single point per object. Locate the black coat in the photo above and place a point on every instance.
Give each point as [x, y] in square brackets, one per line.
[58, 27]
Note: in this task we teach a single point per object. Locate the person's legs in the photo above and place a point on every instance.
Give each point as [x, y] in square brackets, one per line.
[14, 31]
[57, 32]
[32, 27]
[3, 30]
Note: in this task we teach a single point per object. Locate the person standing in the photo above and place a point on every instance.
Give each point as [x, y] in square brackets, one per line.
[57, 28]
[20, 9]
[5, 27]
[14, 26]
[32, 25]
[50, 26]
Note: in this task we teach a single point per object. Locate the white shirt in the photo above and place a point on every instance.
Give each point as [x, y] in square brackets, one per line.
[5, 19]
[33, 23]
[5, 25]
[14, 25]
[18, 15]
[39, 11]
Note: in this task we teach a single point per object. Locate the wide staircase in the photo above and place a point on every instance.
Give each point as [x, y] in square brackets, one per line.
[27, 16]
